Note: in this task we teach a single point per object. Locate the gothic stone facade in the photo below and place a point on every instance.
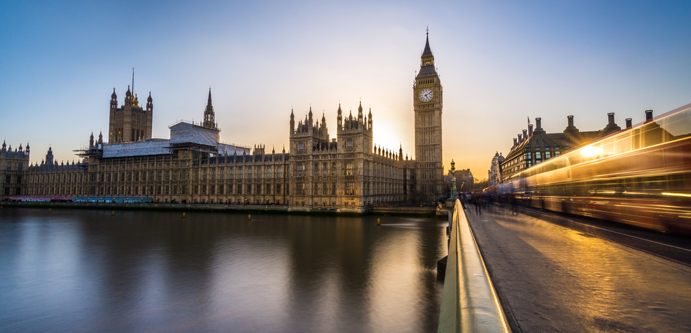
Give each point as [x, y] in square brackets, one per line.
[13, 165]
[348, 172]
[130, 122]
[427, 100]
[345, 173]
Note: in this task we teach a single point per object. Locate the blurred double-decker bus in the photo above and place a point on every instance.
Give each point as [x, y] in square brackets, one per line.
[639, 176]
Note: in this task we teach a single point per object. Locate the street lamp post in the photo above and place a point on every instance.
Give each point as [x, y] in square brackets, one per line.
[453, 180]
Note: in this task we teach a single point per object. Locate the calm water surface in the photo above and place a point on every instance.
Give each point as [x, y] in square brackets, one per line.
[85, 271]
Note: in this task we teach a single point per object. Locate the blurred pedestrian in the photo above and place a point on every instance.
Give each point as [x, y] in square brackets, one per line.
[514, 205]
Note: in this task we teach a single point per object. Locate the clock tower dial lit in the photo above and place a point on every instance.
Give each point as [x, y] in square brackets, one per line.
[426, 95]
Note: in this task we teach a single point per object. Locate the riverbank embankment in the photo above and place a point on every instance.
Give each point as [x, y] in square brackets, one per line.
[267, 209]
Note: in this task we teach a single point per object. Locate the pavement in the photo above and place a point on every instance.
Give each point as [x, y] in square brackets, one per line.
[552, 278]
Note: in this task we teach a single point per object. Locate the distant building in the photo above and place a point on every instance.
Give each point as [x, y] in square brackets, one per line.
[449, 177]
[533, 147]
[130, 122]
[464, 180]
[346, 173]
[494, 172]
[13, 165]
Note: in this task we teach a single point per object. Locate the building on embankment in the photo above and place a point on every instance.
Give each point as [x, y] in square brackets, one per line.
[345, 173]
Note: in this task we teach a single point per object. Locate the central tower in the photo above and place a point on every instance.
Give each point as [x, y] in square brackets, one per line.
[427, 101]
[130, 122]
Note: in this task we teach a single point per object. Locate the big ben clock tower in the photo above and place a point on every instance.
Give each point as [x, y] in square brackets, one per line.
[427, 101]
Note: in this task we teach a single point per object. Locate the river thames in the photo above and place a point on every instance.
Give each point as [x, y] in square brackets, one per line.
[146, 271]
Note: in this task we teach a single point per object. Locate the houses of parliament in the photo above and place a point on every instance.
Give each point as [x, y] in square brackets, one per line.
[346, 173]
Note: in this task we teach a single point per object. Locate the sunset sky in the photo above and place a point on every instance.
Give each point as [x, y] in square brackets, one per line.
[500, 62]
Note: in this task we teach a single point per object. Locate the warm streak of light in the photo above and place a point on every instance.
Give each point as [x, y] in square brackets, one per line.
[635, 193]
[677, 194]
[590, 151]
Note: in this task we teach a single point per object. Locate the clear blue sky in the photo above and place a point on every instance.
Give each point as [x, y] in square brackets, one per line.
[499, 62]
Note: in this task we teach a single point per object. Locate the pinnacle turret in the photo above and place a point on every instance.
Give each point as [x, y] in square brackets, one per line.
[339, 119]
[369, 119]
[209, 116]
[150, 103]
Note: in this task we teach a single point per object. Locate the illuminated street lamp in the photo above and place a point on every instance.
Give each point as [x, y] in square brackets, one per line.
[453, 180]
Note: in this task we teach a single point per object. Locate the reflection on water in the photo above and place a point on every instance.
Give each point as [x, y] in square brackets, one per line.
[155, 271]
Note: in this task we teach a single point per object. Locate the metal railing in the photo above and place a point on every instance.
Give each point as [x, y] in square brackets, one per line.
[469, 302]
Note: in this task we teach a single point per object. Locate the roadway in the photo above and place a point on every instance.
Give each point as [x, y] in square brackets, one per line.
[560, 273]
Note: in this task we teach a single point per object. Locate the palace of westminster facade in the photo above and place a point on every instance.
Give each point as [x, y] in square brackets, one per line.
[347, 173]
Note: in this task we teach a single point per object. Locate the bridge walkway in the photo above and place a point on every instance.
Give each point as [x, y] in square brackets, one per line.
[550, 278]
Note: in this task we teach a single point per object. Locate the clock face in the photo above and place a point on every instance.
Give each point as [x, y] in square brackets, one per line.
[426, 95]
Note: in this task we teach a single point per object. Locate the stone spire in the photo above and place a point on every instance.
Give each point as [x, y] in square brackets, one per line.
[149, 103]
[209, 116]
[340, 116]
[128, 96]
[49, 156]
[427, 51]
[369, 118]
[427, 61]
